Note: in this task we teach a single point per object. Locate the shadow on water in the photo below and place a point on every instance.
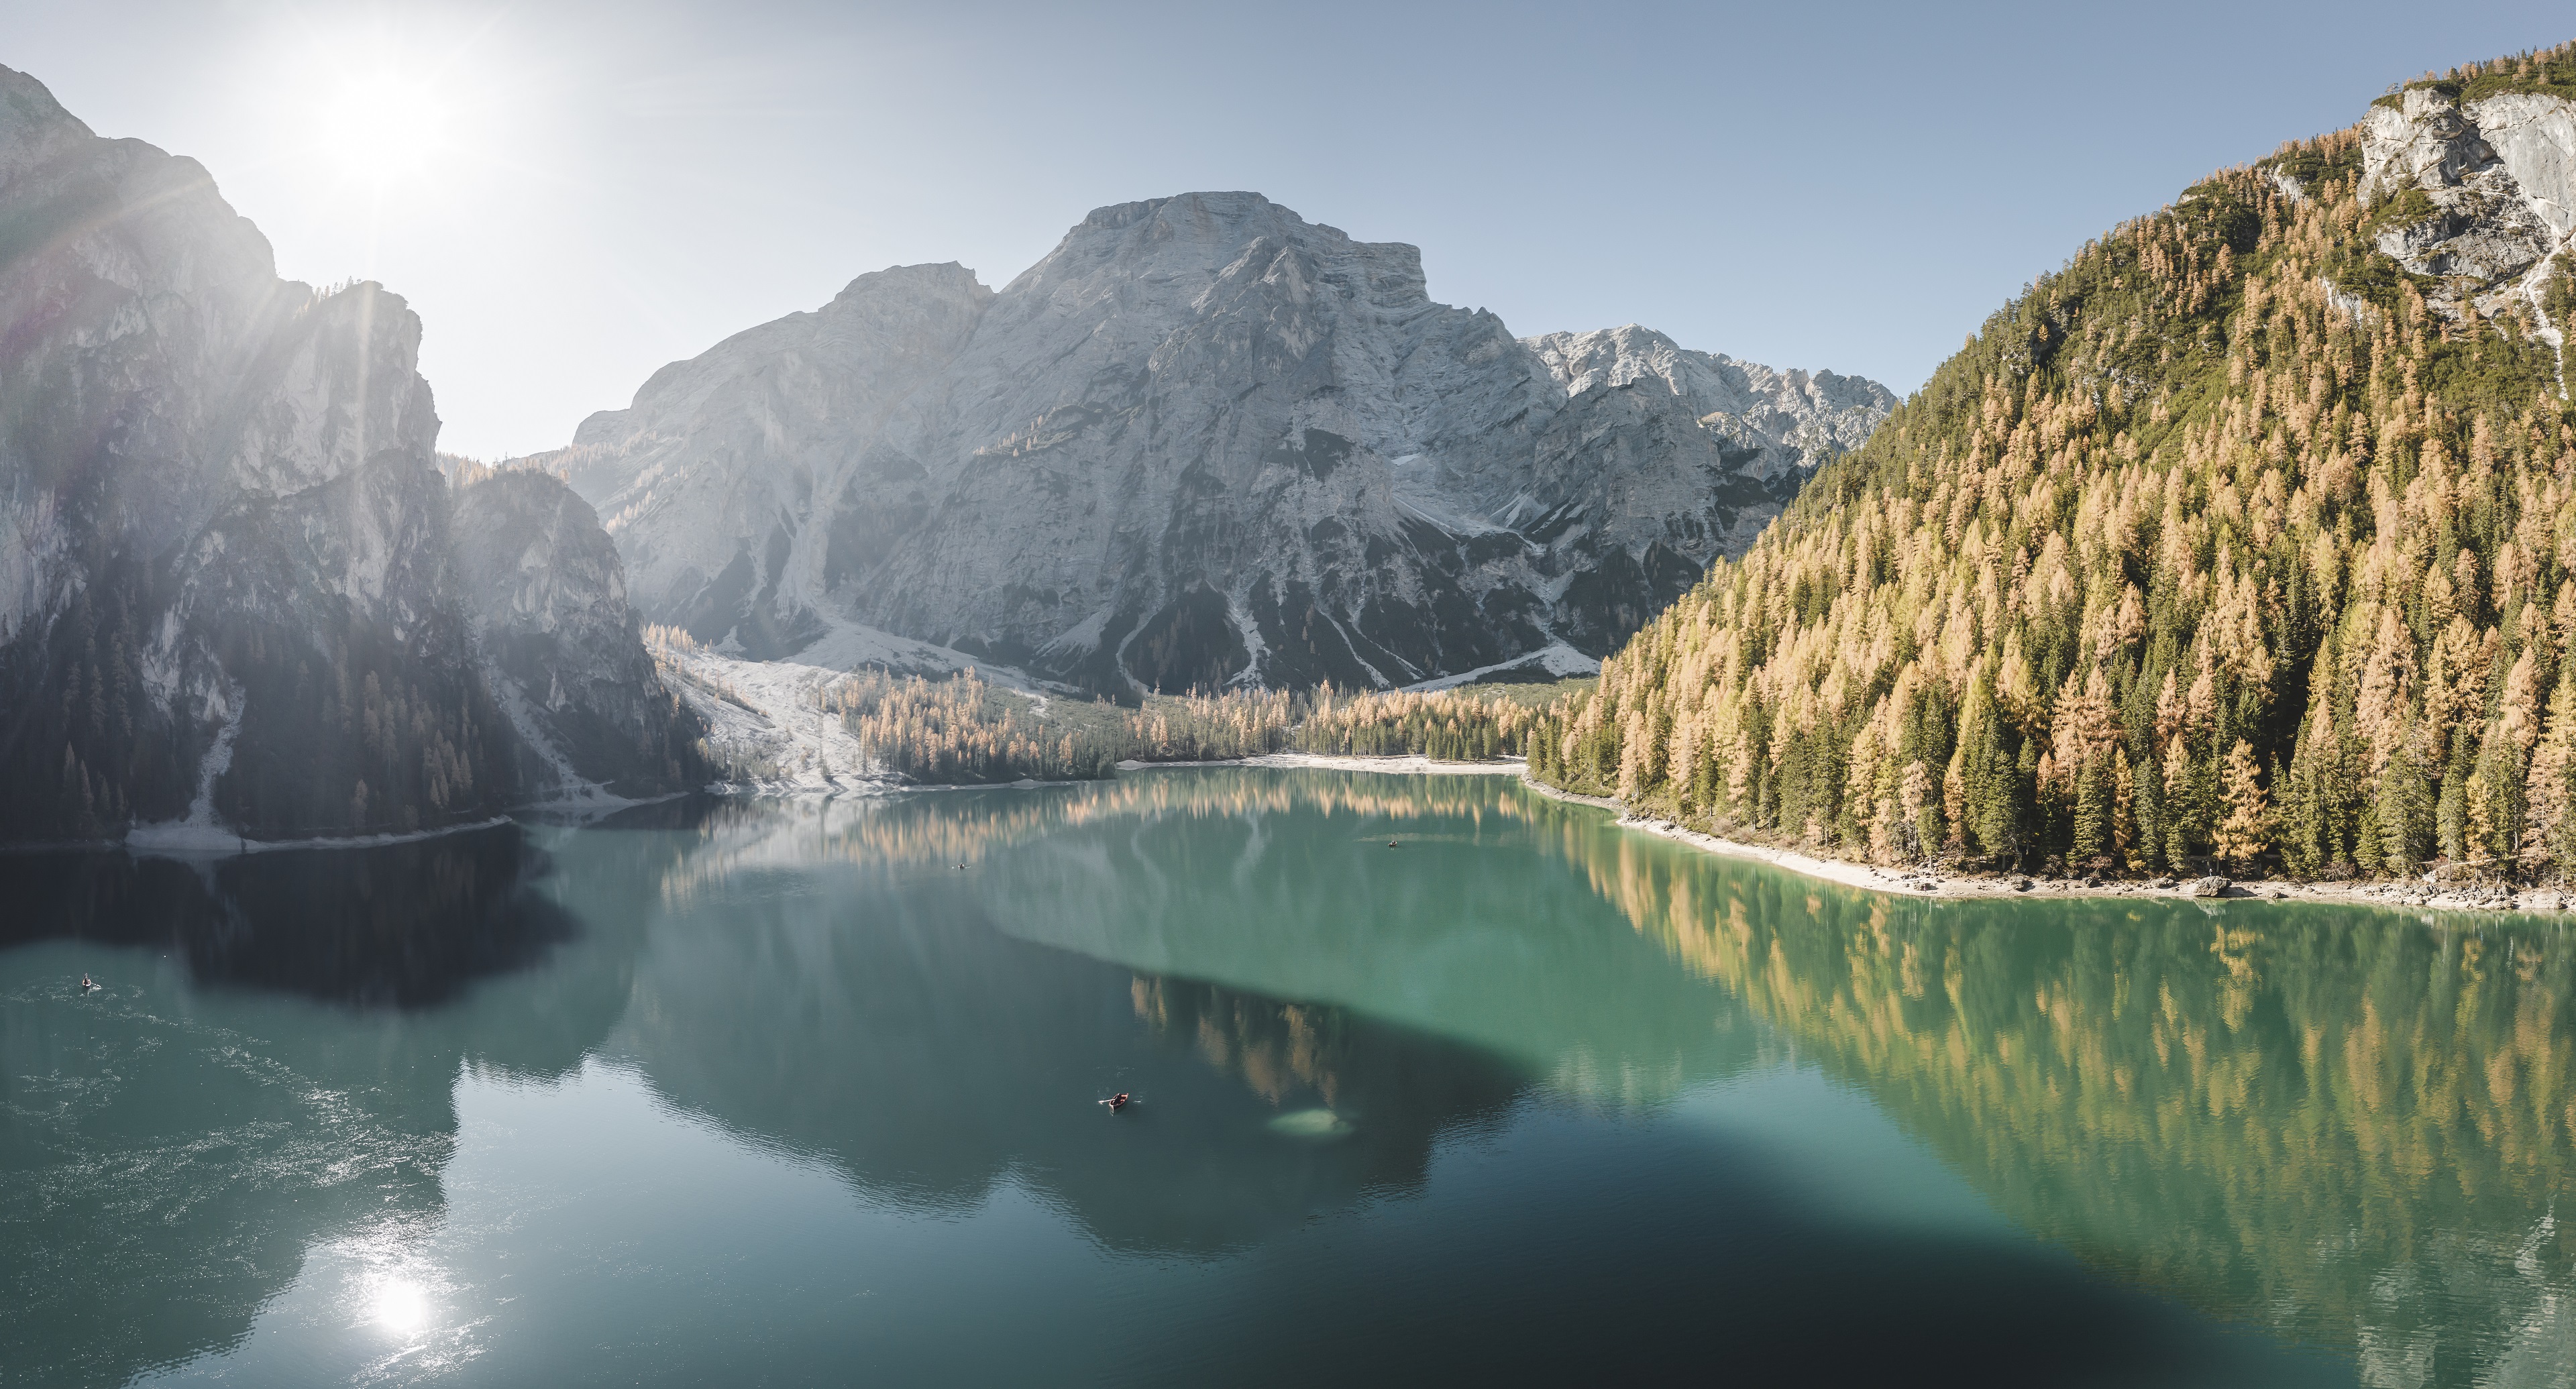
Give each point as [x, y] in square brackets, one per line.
[2346, 1128]
[930, 1058]
[272, 1069]
[948, 982]
[400, 925]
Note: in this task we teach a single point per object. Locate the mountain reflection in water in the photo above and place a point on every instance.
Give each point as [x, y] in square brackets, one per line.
[2344, 1127]
[929, 1058]
[407, 924]
[168, 1156]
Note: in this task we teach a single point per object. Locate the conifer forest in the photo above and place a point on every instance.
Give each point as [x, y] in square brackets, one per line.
[2231, 542]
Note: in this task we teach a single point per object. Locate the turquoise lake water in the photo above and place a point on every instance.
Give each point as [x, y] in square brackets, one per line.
[791, 1092]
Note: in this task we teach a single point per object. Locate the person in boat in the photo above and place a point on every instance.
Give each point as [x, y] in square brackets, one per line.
[1117, 1102]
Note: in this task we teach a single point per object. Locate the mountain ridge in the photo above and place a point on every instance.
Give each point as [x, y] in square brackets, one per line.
[1202, 442]
[229, 595]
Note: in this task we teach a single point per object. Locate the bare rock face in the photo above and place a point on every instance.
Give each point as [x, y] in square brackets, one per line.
[224, 593]
[228, 602]
[710, 482]
[1202, 442]
[2496, 183]
[545, 594]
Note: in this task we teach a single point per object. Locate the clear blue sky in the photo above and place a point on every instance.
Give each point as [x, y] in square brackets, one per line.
[572, 194]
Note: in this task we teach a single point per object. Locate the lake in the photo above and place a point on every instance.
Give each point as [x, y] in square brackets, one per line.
[789, 1092]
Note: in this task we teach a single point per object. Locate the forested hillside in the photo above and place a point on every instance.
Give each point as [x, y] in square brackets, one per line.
[2247, 536]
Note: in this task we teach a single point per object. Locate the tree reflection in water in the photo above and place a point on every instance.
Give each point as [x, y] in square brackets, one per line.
[2344, 1125]
[2350, 1125]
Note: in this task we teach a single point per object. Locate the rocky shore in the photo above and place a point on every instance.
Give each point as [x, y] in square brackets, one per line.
[2421, 892]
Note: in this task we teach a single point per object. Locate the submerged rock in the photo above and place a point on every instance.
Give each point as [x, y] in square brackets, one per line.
[1311, 1124]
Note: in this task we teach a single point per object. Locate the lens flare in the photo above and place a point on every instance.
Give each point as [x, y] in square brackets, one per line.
[399, 1305]
[384, 128]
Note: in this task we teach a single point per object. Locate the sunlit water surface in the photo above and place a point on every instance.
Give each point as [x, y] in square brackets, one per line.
[785, 1093]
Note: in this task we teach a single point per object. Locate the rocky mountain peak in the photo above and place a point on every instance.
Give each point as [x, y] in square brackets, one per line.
[1782, 404]
[878, 290]
[1230, 234]
[1202, 441]
[228, 604]
[33, 126]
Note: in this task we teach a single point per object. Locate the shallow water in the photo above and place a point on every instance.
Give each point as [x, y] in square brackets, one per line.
[787, 1092]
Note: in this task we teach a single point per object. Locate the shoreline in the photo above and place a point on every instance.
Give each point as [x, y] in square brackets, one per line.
[209, 842]
[1400, 764]
[186, 842]
[1933, 885]
[1396, 764]
[1918, 883]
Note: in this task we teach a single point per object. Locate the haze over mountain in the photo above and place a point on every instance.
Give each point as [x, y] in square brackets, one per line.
[230, 596]
[1203, 442]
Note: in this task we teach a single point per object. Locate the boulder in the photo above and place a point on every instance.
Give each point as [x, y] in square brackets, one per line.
[2211, 886]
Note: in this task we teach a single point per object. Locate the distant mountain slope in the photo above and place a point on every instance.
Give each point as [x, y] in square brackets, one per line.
[1202, 442]
[228, 595]
[2252, 531]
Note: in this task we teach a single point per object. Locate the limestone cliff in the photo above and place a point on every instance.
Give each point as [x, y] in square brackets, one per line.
[228, 601]
[2477, 196]
[545, 594]
[1202, 442]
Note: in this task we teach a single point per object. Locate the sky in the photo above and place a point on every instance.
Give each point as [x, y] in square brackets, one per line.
[572, 194]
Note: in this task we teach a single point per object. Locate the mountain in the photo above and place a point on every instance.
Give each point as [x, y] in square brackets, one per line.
[2243, 537]
[1202, 442]
[558, 645]
[229, 595]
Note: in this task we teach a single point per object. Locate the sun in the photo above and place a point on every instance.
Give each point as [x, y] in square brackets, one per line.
[385, 128]
[399, 1305]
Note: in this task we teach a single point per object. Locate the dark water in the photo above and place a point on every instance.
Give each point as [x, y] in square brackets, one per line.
[785, 1093]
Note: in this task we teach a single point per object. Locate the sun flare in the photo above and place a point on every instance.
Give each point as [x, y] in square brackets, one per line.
[385, 128]
[400, 1306]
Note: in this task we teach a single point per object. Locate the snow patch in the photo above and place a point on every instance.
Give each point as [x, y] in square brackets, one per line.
[1250, 631]
[1559, 660]
[849, 645]
[778, 720]
[200, 832]
[1082, 638]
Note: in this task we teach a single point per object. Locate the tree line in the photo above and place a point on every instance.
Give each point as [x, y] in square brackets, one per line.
[2230, 542]
[963, 730]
